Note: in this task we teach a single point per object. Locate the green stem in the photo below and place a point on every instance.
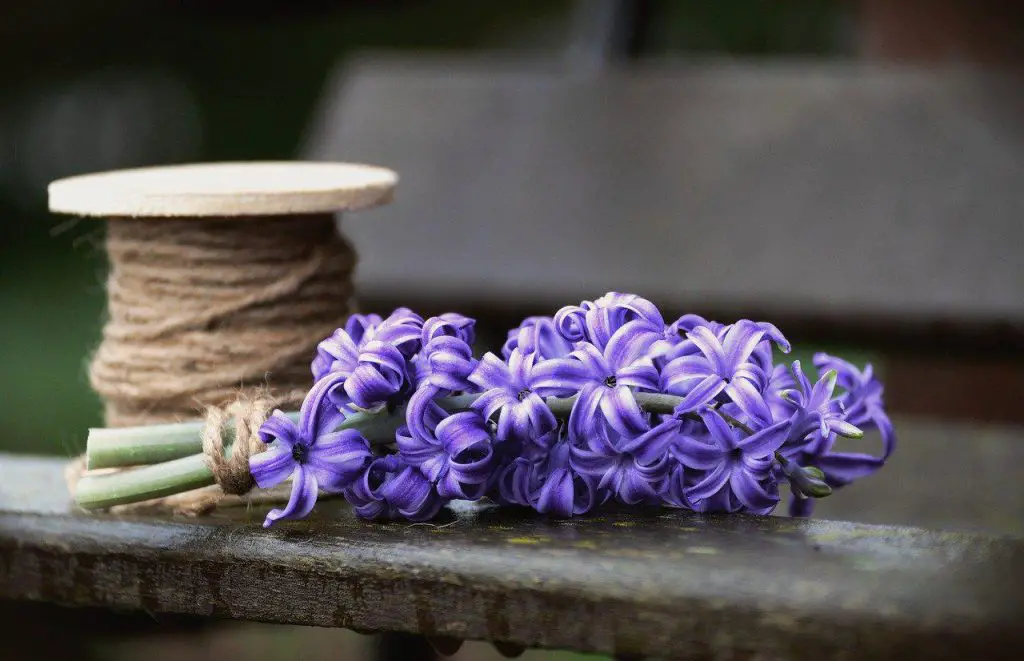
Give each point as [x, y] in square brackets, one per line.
[139, 484]
[175, 450]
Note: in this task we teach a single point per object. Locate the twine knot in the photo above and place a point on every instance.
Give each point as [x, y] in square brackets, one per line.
[230, 467]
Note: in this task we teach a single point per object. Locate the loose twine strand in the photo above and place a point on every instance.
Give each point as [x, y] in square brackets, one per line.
[216, 319]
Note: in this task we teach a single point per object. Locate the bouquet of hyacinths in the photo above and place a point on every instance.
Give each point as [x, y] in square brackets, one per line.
[602, 402]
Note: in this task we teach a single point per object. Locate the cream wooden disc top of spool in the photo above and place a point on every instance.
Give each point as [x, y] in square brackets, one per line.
[261, 188]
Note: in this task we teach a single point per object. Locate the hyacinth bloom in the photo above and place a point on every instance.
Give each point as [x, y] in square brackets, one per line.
[513, 392]
[537, 335]
[861, 404]
[390, 489]
[629, 478]
[445, 363]
[721, 359]
[730, 470]
[550, 485]
[449, 324]
[311, 452]
[454, 452]
[813, 409]
[596, 322]
[339, 353]
[604, 381]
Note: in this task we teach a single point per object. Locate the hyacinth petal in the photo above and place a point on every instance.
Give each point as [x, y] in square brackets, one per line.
[514, 482]
[697, 455]
[701, 394]
[844, 428]
[743, 393]
[622, 412]
[449, 324]
[721, 433]
[519, 365]
[711, 347]
[338, 458]
[318, 415]
[560, 375]
[800, 507]
[367, 387]
[593, 361]
[654, 443]
[681, 372]
[358, 326]
[765, 442]
[491, 372]
[711, 484]
[279, 427]
[272, 466]
[641, 374]
[570, 323]
[541, 417]
[822, 391]
[460, 431]
[799, 377]
[740, 341]
[422, 413]
[339, 352]
[841, 468]
[413, 495]
[557, 495]
[776, 336]
[888, 432]
[491, 401]
[627, 344]
[300, 502]
[581, 418]
[750, 492]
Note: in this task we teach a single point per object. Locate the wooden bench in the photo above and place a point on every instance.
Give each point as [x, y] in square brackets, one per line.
[656, 583]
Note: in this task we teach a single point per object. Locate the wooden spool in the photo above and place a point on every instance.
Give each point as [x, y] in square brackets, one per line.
[230, 193]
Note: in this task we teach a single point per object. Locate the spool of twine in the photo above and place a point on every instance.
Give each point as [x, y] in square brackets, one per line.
[222, 280]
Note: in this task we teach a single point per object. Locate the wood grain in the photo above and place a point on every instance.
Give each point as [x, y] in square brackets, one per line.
[661, 583]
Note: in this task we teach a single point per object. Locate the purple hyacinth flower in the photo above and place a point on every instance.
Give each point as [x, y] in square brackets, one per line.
[721, 365]
[604, 381]
[818, 418]
[390, 489]
[445, 363]
[730, 471]
[814, 416]
[339, 353]
[547, 481]
[403, 329]
[861, 404]
[596, 322]
[537, 335]
[312, 453]
[513, 391]
[449, 324]
[630, 479]
[381, 374]
[455, 452]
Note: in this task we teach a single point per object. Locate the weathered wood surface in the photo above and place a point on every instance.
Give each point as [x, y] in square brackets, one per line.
[664, 583]
[835, 192]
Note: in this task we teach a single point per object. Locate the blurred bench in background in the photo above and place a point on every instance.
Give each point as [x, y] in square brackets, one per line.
[847, 202]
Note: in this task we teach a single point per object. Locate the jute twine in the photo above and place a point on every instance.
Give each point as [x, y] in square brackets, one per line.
[216, 319]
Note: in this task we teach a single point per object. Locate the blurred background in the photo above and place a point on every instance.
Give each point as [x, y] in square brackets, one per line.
[851, 171]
